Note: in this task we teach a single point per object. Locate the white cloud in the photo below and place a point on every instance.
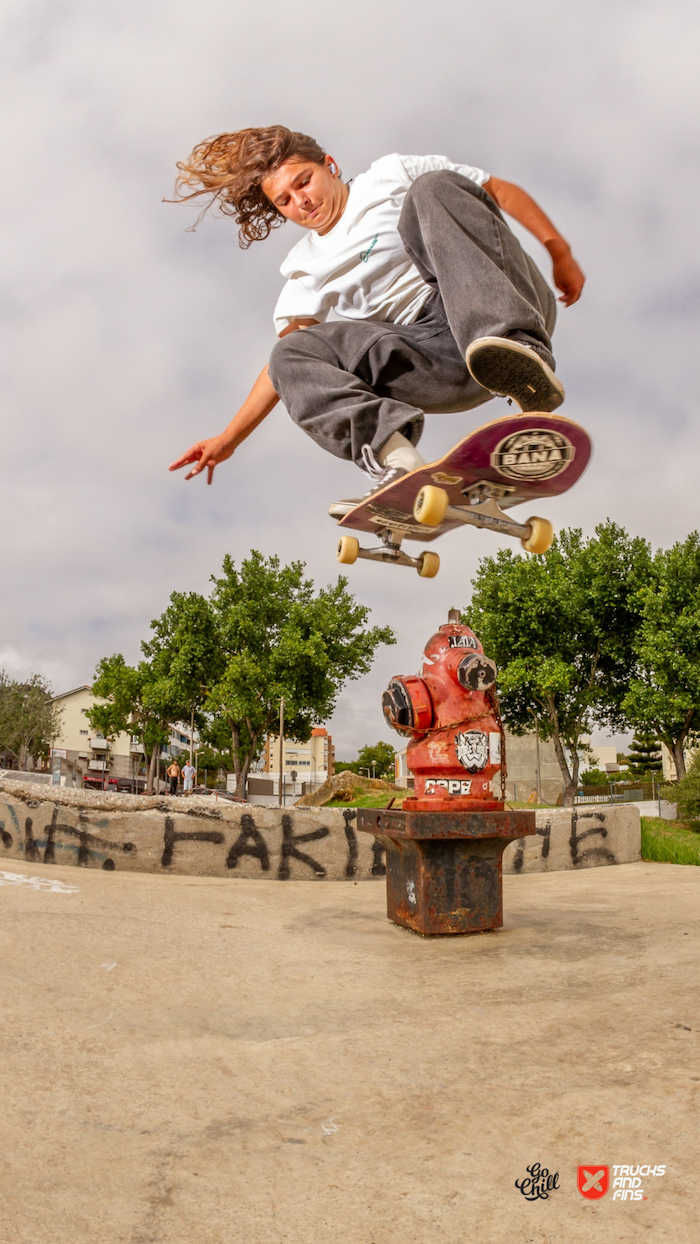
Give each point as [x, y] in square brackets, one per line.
[127, 337]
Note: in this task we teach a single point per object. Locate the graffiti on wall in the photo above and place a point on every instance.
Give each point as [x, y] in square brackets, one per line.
[50, 834]
[597, 853]
[38, 843]
[378, 852]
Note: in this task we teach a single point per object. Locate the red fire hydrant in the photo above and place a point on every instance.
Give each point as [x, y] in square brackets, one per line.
[450, 713]
[444, 846]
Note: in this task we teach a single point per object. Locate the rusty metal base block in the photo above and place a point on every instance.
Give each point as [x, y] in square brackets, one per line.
[444, 870]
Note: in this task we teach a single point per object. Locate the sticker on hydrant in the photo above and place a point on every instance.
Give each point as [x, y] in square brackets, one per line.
[453, 786]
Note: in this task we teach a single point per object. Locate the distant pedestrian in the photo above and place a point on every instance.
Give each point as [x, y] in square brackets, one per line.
[174, 774]
[188, 774]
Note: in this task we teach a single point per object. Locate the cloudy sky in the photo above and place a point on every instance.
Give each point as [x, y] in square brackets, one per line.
[126, 337]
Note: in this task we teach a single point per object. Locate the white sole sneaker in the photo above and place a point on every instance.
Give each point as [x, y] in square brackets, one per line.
[340, 508]
[512, 369]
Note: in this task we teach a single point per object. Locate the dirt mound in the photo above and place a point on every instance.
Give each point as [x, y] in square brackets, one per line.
[345, 785]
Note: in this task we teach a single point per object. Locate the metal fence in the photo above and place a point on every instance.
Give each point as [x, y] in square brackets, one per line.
[617, 793]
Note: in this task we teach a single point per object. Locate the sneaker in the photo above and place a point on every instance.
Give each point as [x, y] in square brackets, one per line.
[378, 474]
[340, 508]
[380, 477]
[512, 369]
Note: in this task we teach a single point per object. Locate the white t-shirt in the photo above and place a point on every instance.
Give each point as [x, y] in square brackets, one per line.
[361, 268]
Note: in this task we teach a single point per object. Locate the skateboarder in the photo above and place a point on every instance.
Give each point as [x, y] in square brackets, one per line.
[437, 305]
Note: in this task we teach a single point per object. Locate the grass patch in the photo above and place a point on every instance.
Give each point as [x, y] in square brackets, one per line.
[669, 842]
[379, 799]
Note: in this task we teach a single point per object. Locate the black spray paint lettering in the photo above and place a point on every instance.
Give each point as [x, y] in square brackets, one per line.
[31, 849]
[349, 814]
[545, 834]
[43, 845]
[289, 850]
[599, 853]
[50, 831]
[378, 857]
[249, 842]
[519, 857]
[87, 841]
[171, 836]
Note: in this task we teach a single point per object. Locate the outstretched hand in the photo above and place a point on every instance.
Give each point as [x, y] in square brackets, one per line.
[566, 274]
[205, 453]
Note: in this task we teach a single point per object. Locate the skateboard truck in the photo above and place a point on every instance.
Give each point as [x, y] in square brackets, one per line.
[432, 508]
[427, 564]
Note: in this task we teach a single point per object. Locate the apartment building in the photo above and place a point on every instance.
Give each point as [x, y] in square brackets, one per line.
[311, 762]
[669, 764]
[90, 752]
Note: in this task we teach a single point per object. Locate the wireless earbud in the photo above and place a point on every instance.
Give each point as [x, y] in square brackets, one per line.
[333, 168]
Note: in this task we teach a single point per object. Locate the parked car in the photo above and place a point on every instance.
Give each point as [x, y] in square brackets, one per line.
[127, 786]
[92, 781]
[117, 785]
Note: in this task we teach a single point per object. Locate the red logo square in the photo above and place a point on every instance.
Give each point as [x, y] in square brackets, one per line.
[593, 1181]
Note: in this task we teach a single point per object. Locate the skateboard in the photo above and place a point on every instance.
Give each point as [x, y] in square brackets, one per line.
[501, 464]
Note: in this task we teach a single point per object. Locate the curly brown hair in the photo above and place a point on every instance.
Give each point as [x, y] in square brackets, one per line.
[231, 167]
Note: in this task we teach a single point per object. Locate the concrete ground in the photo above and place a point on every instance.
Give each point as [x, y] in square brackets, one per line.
[190, 1059]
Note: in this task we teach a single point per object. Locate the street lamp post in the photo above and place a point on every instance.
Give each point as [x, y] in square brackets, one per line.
[537, 755]
[281, 794]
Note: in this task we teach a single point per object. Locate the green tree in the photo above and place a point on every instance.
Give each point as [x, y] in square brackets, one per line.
[135, 701]
[378, 758]
[278, 637]
[214, 763]
[347, 766]
[594, 777]
[29, 720]
[664, 696]
[561, 629]
[644, 756]
[227, 660]
[184, 655]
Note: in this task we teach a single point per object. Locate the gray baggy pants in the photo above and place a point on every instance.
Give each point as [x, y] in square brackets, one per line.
[354, 382]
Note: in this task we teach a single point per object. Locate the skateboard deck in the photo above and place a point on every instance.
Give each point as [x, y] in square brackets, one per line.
[516, 459]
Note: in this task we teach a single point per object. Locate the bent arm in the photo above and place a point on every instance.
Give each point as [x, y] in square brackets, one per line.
[260, 401]
[568, 277]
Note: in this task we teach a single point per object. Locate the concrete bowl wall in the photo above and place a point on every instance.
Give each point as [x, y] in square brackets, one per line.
[201, 836]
